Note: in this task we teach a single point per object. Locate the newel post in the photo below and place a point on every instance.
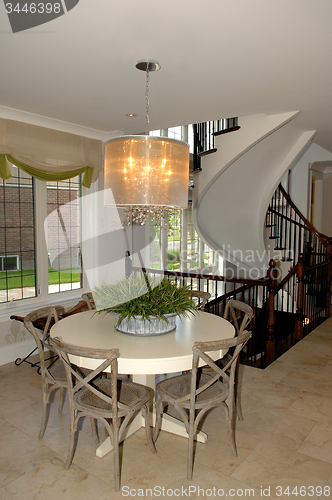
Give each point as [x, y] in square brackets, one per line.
[329, 277]
[272, 274]
[128, 264]
[300, 298]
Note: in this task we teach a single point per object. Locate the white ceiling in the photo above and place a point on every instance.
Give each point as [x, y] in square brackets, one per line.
[219, 58]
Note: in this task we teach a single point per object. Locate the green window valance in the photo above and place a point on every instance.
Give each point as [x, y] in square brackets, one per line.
[47, 154]
[43, 175]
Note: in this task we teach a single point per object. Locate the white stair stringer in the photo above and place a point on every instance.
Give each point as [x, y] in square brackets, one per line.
[233, 191]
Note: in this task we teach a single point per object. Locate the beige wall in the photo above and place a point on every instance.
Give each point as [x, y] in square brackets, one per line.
[327, 205]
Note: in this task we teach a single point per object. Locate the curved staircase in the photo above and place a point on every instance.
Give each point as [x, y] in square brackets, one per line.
[232, 193]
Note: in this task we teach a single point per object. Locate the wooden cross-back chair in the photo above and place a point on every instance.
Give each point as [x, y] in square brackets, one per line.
[53, 376]
[195, 392]
[102, 399]
[202, 297]
[40, 324]
[88, 298]
[239, 314]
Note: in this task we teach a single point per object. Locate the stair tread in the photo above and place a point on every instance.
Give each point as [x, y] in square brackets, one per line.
[207, 152]
[226, 130]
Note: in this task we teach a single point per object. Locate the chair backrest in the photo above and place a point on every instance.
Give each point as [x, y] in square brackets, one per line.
[32, 323]
[77, 308]
[239, 314]
[78, 380]
[227, 372]
[203, 297]
[88, 298]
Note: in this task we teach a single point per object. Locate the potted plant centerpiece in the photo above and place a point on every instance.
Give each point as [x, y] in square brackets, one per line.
[144, 307]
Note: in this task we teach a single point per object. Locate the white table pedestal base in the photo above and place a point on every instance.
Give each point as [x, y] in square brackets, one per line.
[169, 424]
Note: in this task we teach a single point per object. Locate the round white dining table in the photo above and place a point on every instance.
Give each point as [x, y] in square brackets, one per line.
[139, 355]
[143, 357]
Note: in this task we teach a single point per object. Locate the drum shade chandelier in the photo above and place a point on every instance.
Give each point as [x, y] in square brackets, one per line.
[147, 175]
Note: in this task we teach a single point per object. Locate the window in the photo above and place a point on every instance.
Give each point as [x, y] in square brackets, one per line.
[183, 250]
[21, 225]
[65, 270]
[9, 262]
[193, 243]
[175, 133]
[182, 133]
[174, 243]
[17, 237]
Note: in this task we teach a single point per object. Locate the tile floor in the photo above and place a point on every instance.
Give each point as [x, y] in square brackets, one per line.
[284, 441]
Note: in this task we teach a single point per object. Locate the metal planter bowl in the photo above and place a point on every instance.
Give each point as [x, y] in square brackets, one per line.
[146, 328]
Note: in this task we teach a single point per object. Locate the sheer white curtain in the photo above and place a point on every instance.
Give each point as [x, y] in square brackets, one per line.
[49, 151]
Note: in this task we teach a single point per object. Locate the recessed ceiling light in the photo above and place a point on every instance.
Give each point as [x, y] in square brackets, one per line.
[131, 115]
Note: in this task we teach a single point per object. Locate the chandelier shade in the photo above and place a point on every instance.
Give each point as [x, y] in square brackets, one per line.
[143, 170]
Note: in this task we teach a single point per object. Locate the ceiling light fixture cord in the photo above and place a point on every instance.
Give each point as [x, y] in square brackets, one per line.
[147, 98]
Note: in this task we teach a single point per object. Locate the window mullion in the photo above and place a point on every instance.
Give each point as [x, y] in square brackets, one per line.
[41, 247]
[91, 215]
[184, 240]
[164, 245]
[200, 254]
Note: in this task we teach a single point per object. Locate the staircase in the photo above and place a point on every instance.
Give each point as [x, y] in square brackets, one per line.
[242, 213]
[205, 134]
[233, 192]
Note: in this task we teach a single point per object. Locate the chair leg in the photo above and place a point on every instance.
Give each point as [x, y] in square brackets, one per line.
[231, 426]
[116, 455]
[94, 430]
[191, 431]
[159, 412]
[238, 408]
[62, 399]
[190, 460]
[71, 438]
[238, 398]
[146, 415]
[44, 414]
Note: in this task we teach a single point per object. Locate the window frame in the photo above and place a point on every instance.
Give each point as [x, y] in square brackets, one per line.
[43, 297]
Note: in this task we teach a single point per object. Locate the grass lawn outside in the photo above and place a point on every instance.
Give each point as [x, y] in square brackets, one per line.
[26, 278]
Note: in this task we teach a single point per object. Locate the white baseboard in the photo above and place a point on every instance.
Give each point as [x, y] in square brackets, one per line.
[10, 352]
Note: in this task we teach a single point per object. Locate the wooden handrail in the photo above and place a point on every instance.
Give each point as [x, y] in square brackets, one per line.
[212, 277]
[225, 296]
[321, 238]
[285, 279]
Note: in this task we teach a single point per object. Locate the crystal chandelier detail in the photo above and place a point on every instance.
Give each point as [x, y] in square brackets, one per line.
[160, 217]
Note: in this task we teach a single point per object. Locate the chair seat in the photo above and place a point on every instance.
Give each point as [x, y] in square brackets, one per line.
[179, 386]
[58, 372]
[129, 394]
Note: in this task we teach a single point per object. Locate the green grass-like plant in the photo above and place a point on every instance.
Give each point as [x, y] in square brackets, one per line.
[146, 298]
